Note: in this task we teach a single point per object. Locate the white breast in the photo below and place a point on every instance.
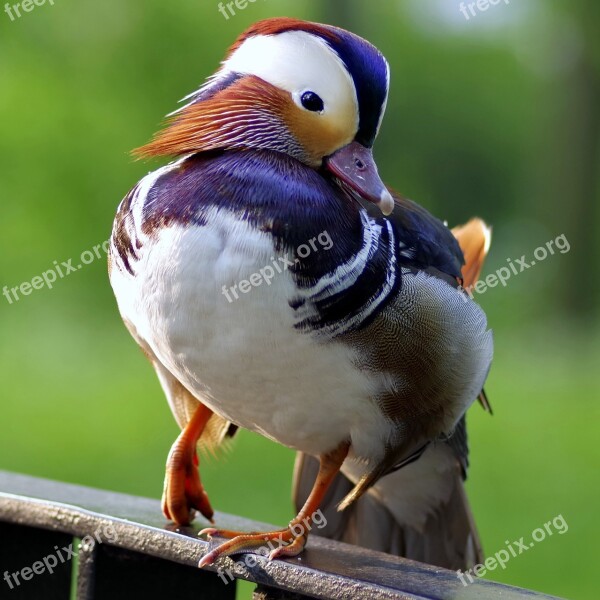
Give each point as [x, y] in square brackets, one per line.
[244, 358]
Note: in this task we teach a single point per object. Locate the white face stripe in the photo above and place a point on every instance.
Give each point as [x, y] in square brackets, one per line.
[387, 95]
[297, 61]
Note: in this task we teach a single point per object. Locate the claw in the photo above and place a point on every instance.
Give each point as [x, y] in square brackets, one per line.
[183, 492]
[209, 532]
[288, 544]
[208, 559]
[292, 549]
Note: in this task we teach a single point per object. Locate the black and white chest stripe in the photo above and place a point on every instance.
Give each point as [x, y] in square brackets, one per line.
[128, 234]
[350, 296]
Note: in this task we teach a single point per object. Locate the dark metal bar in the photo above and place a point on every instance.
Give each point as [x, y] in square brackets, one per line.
[133, 542]
[122, 574]
[86, 572]
[34, 563]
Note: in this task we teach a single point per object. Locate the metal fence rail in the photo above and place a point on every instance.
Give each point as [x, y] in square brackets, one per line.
[61, 541]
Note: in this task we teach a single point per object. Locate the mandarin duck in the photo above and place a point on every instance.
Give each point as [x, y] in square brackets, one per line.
[277, 285]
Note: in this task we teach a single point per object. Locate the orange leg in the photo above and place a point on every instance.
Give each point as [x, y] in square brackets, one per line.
[183, 491]
[284, 542]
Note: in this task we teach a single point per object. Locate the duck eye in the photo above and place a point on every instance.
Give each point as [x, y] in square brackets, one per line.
[312, 102]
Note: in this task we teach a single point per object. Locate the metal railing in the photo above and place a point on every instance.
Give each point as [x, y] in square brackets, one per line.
[61, 541]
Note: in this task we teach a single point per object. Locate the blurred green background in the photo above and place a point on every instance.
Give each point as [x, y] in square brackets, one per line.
[498, 115]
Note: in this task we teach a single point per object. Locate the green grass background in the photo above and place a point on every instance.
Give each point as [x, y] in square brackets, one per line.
[489, 119]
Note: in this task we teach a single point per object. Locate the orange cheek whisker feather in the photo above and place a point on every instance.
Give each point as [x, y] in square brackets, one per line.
[222, 121]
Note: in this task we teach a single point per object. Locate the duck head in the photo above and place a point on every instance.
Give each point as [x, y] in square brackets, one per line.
[315, 92]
